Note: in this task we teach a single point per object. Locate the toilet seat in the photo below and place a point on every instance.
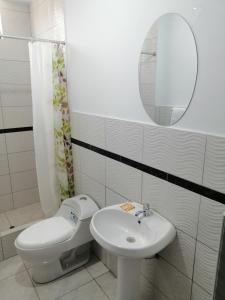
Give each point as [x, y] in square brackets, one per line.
[46, 233]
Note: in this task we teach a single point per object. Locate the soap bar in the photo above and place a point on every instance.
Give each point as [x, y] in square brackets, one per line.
[127, 206]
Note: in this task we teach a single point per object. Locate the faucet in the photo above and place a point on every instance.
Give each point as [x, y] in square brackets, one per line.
[143, 213]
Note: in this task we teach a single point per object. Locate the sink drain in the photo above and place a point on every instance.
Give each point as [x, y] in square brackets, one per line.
[131, 239]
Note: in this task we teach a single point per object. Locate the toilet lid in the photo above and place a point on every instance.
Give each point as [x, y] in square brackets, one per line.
[45, 233]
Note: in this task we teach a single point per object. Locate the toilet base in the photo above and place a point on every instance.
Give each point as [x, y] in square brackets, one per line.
[69, 261]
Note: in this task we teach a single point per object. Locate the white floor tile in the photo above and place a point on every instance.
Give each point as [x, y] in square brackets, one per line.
[90, 291]
[60, 287]
[95, 267]
[108, 283]
[17, 287]
[11, 267]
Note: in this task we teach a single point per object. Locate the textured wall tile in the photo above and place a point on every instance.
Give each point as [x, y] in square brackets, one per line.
[214, 171]
[23, 180]
[180, 253]
[205, 267]
[123, 179]
[88, 128]
[155, 148]
[200, 294]
[21, 161]
[167, 279]
[93, 189]
[124, 138]
[25, 197]
[210, 222]
[76, 157]
[178, 205]
[113, 198]
[93, 165]
[186, 154]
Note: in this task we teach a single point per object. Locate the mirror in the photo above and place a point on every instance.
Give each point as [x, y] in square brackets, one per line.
[168, 69]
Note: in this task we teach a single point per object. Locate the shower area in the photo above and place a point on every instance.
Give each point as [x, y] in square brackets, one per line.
[19, 194]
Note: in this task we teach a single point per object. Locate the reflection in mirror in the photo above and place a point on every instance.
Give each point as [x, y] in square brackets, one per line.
[168, 69]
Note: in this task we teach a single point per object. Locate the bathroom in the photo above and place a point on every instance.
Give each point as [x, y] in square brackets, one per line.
[154, 158]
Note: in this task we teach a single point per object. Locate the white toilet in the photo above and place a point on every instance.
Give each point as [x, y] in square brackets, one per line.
[57, 245]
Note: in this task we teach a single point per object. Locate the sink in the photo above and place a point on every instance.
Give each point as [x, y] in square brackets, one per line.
[131, 239]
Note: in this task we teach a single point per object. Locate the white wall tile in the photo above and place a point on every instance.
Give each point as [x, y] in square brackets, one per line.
[14, 50]
[178, 205]
[4, 166]
[17, 116]
[113, 198]
[6, 203]
[8, 246]
[25, 197]
[2, 143]
[16, 96]
[21, 161]
[200, 294]
[93, 165]
[76, 157]
[19, 141]
[23, 180]
[88, 128]
[124, 138]
[1, 117]
[210, 223]
[214, 171]
[155, 148]
[15, 72]
[123, 179]
[5, 185]
[180, 253]
[177, 152]
[186, 154]
[86, 185]
[4, 223]
[167, 279]
[205, 267]
[16, 23]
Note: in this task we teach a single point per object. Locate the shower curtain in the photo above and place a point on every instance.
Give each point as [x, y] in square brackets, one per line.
[51, 125]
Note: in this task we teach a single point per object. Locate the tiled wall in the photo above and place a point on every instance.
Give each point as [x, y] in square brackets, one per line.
[187, 268]
[47, 19]
[18, 182]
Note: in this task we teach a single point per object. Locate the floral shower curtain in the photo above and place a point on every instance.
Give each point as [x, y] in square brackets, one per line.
[51, 125]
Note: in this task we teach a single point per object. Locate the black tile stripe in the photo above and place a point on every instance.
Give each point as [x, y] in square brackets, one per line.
[17, 129]
[186, 184]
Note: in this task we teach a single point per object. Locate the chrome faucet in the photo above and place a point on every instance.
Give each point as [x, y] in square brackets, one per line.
[143, 213]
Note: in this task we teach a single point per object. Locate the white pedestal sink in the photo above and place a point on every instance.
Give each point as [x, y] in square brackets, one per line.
[121, 234]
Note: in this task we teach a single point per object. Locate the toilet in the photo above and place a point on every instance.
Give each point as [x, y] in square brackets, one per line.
[57, 245]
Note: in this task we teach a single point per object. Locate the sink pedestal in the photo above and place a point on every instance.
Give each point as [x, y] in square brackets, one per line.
[128, 283]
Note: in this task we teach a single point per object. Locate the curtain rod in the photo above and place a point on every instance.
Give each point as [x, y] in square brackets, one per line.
[30, 39]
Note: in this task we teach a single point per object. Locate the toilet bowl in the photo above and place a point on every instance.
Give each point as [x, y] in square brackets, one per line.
[57, 245]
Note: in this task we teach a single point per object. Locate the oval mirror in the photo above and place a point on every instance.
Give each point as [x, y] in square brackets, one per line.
[168, 69]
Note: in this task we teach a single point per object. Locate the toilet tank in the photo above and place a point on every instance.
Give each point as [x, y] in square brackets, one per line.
[80, 207]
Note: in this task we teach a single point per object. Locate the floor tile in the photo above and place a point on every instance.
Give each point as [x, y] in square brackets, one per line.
[4, 223]
[108, 283]
[25, 215]
[95, 267]
[60, 287]
[11, 267]
[17, 287]
[90, 291]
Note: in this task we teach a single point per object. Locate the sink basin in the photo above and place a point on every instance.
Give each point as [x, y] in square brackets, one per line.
[120, 233]
[130, 238]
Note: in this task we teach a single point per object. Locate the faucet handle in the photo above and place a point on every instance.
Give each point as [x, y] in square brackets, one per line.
[146, 206]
